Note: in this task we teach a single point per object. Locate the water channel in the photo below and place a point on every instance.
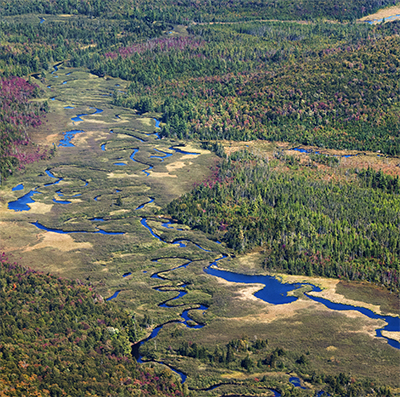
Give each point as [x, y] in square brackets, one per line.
[274, 291]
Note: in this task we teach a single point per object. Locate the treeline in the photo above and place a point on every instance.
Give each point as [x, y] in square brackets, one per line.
[306, 225]
[320, 85]
[255, 356]
[58, 337]
[221, 49]
[32, 48]
[17, 114]
[184, 10]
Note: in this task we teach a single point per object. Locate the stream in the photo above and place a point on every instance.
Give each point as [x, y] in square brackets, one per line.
[274, 291]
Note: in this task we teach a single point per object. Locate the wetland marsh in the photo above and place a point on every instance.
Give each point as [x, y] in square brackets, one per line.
[113, 235]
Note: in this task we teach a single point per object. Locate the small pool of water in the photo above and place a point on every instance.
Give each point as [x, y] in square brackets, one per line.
[18, 187]
[119, 164]
[96, 112]
[116, 293]
[69, 107]
[103, 147]
[21, 204]
[126, 274]
[177, 150]
[296, 382]
[68, 136]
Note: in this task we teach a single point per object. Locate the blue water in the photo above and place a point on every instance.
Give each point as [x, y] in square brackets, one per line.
[96, 112]
[68, 74]
[302, 150]
[97, 219]
[182, 151]
[144, 271]
[18, 187]
[166, 225]
[142, 205]
[103, 147]
[64, 82]
[126, 274]
[59, 231]
[117, 85]
[157, 123]
[350, 155]
[96, 198]
[114, 295]
[187, 318]
[308, 151]
[21, 204]
[147, 169]
[49, 173]
[143, 221]
[180, 243]
[390, 18]
[164, 155]
[276, 293]
[68, 136]
[139, 139]
[69, 107]
[77, 118]
[296, 382]
[49, 86]
[119, 164]
[133, 155]
[41, 20]
[53, 99]
[393, 323]
[180, 294]
[61, 201]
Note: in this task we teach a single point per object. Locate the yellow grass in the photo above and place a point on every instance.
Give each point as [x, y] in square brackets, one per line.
[392, 335]
[177, 165]
[40, 208]
[62, 242]
[384, 13]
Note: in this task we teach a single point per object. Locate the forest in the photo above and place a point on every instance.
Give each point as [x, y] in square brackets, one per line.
[215, 74]
[17, 114]
[59, 337]
[344, 228]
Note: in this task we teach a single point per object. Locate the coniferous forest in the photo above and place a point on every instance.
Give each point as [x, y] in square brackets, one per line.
[286, 115]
